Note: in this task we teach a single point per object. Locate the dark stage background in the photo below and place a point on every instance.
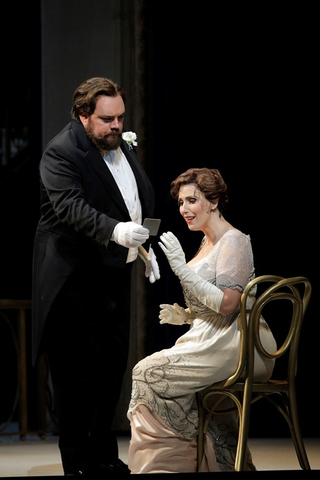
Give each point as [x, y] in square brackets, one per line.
[233, 90]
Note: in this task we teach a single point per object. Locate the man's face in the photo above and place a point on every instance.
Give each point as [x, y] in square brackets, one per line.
[105, 126]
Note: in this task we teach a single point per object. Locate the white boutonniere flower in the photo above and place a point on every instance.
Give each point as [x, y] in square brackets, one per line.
[130, 138]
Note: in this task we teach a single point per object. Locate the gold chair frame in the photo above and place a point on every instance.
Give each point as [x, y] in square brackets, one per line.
[241, 387]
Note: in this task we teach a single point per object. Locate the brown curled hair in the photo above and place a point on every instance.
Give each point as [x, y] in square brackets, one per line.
[208, 180]
[86, 95]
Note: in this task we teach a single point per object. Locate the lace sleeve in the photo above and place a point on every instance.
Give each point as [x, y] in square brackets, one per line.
[234, 267]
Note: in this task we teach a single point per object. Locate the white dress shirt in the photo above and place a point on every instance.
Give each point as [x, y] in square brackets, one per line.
[125, 179]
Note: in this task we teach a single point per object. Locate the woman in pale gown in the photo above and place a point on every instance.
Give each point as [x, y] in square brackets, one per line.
[162, 412]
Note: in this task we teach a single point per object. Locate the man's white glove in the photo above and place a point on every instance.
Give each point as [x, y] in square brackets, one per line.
[175, 315]
[130, 234]
[150, 261]
[204, 291]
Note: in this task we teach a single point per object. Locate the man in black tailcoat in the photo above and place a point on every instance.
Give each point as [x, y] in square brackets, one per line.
[94, 196]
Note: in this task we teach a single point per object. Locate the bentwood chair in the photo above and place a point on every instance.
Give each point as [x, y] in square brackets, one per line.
[285, 300]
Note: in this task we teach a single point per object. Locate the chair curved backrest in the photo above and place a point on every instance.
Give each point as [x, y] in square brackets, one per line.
[289, 298]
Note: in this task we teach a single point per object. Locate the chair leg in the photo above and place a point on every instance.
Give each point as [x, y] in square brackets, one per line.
[244, 417]
[200, 445]
[296, 433]
[289, 411]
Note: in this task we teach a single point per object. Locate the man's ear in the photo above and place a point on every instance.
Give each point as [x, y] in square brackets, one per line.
[84, 119]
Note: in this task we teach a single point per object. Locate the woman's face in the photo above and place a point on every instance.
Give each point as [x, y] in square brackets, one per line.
[194, 207]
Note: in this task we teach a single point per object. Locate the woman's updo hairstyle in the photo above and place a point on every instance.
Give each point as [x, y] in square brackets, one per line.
[208, 180]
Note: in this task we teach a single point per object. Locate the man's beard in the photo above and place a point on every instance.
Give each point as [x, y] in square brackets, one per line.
[110, 141]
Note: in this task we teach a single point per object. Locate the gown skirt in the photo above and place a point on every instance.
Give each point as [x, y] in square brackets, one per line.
[163, 412]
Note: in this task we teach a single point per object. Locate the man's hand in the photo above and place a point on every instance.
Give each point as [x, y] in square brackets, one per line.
[130, 234]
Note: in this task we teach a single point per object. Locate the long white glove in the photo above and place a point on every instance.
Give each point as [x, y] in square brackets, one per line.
[150, 261]
[130, 234]
[206, 292]
[175, 315]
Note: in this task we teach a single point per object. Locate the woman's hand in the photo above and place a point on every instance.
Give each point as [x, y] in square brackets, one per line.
[174, 314]
[172, 249]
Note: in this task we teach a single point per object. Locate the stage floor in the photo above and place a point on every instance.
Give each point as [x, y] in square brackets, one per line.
[33, 457]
